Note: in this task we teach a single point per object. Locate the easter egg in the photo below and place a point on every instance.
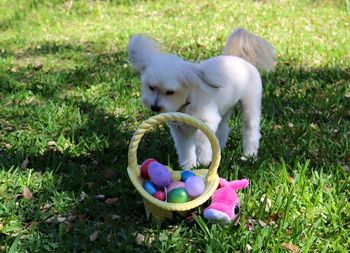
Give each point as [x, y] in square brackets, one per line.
[175, 184]
[158, 174]
[186, 174]
[175, 175]
[194, 186]
[159, 195]
[144, 167]
[178, 195]
[149, 187]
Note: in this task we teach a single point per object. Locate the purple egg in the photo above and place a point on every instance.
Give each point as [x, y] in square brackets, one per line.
[194, 186]
[158, 174]
[175, 184]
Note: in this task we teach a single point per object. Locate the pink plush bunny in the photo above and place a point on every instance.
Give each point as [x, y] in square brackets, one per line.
[225, 203]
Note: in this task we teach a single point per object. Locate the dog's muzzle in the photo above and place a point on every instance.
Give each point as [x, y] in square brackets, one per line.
[155, 108]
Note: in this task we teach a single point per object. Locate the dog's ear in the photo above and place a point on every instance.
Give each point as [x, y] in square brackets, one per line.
[140, 50]
[194, 76]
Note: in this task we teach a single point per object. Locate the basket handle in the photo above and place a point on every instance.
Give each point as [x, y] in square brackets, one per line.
[179, 117]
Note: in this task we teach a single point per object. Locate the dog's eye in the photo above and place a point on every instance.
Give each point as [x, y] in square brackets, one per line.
[151, 87]
[169, 92]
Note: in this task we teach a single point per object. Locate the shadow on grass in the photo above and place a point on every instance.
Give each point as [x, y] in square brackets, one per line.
[97, 161]
[99, 172]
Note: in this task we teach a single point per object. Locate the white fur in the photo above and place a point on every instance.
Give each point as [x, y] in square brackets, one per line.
[207, 90]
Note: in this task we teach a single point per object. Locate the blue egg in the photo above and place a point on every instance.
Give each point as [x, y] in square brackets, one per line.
[149, 187]
[186, 174]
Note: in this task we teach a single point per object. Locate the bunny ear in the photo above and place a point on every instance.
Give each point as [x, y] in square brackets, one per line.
[238, 184]
[223, 183]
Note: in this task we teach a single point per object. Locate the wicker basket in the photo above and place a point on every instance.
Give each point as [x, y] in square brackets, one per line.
[160, 210]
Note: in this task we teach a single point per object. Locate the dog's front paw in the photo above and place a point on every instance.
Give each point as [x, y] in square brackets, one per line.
[189, 165]
[250, 156]
[204, 159]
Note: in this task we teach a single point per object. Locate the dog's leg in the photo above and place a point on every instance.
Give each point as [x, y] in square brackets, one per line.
[184, 142]
[224, 130]
[203, 146]
[251, 106]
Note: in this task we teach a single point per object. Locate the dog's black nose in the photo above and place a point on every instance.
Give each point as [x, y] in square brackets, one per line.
[155, 108]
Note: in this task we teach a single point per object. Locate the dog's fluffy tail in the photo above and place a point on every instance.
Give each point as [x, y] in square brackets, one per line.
[252, 48]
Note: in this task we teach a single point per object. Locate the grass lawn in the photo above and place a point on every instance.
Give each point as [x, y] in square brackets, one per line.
[70, 103]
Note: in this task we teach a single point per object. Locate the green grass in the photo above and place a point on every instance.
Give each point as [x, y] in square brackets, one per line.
[70, 102]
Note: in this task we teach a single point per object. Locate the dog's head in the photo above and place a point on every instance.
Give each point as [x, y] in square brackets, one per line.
[166, 79]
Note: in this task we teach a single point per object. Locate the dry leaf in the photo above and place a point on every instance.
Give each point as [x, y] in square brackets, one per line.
[290, 180]
[90, 184]
[109, 173]
[51, 143]
[248, 248]
[71, 217]
[115, 216]
[61, 219]
[31, 225]
[252, 221]
[68, 5]
[45, 207]
[100, 197]
[110, 201]
[143, 240]
[268, 202]
[27, 193]
[94, 236]
[115, 159]
[313, 126]
[38, 66]
[25, 163]
[14, 69]
[276, 127]
[261, 223]
[9, 128]
[83, 196]
[83, 217]
[1, 226]
[273, 218]
[290, 247]
[50, 220]
[6, 145]
[140, 239]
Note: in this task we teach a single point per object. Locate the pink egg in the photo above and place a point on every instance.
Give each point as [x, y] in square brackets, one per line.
[174, 185]
[158, 174]
[144, 167]
[194, 186]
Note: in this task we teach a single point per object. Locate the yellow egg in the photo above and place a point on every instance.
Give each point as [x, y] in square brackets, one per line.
[175, 175]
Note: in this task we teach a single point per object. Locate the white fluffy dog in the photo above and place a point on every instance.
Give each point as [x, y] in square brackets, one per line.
[207, 90]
